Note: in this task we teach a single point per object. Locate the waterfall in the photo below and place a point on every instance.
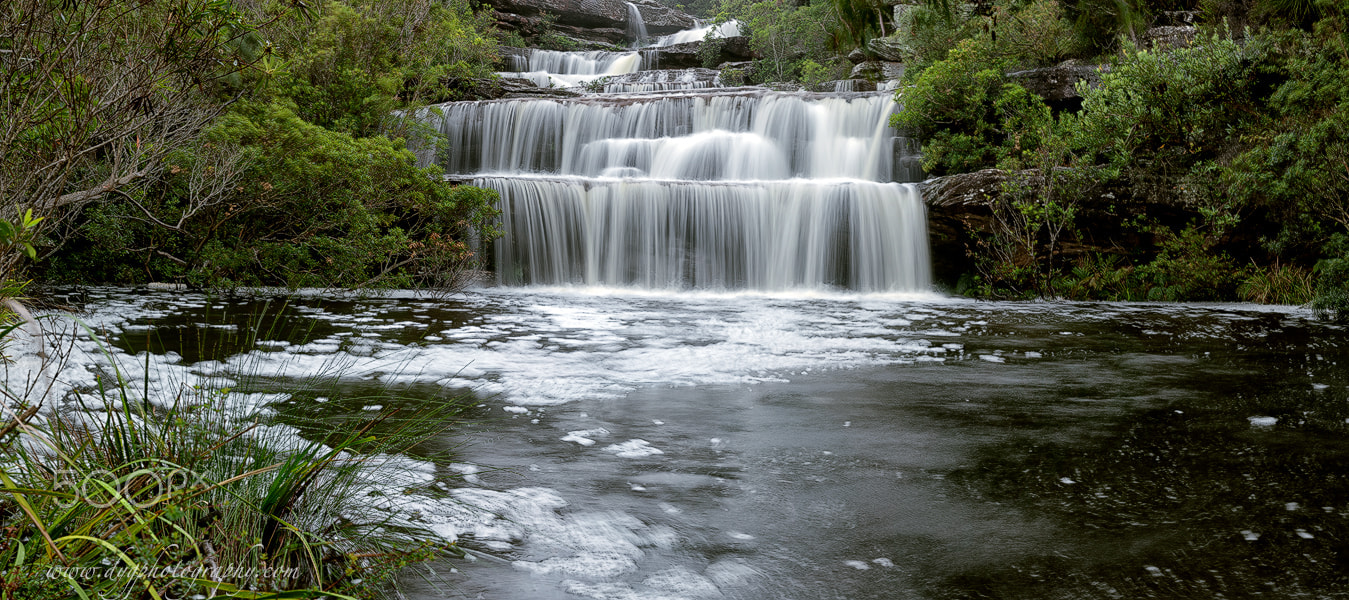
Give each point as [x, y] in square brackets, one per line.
[723, 189]
[662, 234]
[636, 26]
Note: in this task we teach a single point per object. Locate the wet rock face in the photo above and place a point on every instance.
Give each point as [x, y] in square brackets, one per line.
[876, 70]
[1170, 37]
[888, 49]
[846, 85]
[605, 16]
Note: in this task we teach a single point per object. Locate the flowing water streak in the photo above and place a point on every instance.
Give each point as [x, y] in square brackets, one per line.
[663, 80]
[636, 26]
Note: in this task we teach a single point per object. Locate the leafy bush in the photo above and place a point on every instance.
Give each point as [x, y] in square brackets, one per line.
[1156, 115]
[1188, 269]
[784, 33]
[926, 33]
[1278, 284]
[1037, 34]
[968, 114]
[1332, 280]
[309, 207]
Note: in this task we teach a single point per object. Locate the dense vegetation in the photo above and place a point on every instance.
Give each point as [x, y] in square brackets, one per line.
[226, 143]
[1242, 126]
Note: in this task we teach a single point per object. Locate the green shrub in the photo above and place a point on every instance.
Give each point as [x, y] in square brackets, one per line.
[306, 207]
[1157, 115]
[1036, 34]
[1188, 268]
[1332, 280]
[968, 114]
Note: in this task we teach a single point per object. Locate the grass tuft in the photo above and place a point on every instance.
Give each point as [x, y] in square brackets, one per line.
[142, 489]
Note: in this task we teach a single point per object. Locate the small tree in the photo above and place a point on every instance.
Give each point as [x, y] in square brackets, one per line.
[94, 94]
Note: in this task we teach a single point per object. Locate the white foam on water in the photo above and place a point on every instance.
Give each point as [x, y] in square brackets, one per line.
[633, 449]
[585, 437]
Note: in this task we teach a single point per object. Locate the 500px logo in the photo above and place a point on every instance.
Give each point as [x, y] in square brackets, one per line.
[144, 485]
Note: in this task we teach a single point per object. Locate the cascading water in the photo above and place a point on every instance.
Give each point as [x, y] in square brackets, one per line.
[553, 68]
[636, 26]
[730, 189]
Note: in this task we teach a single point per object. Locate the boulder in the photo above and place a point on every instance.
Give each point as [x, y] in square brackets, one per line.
[1057, 85]
[857, 56]
[888, 49]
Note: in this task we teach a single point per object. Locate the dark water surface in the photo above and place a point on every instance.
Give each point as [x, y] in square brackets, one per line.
[737, 446]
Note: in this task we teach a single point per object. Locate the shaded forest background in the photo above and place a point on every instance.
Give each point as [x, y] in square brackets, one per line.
[221, 143]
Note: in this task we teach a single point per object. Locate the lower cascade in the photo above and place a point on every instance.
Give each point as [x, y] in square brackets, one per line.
[662, 234]
[686, 188]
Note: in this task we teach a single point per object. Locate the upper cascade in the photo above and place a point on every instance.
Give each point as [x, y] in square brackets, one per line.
[734, 135]
[554, 68]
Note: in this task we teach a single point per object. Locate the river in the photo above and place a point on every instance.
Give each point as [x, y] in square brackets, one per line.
[638, 444]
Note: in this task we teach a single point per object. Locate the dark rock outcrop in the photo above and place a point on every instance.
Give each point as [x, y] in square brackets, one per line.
[961, 213]
[686, 55]
[585, 16]
[1057, 85]
[504, 87]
